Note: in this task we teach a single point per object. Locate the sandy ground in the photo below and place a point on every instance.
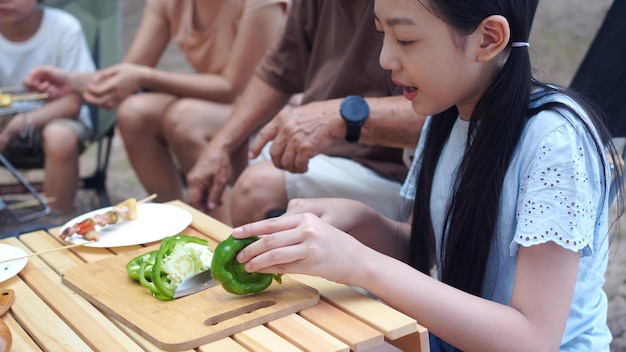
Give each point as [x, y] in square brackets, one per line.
[562, 32]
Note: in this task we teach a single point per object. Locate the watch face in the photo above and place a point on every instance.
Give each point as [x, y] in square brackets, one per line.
[354, 109]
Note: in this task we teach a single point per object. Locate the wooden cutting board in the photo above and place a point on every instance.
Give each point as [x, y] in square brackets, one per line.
[186, 322]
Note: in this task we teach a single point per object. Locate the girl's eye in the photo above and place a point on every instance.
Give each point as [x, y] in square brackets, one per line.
[380, 33]
[404, 42]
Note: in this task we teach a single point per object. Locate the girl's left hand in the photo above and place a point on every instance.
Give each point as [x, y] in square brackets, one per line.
[301, 244]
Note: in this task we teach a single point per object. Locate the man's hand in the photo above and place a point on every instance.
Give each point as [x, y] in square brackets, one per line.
[49, 79]
[299, 134]
[208, 178]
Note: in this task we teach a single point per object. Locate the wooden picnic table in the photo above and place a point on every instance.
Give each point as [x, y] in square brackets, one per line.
[47, 315]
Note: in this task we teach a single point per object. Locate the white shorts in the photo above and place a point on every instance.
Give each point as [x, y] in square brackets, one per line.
[336, 177]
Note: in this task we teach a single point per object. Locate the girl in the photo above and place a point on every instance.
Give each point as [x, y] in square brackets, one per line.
[510, 183]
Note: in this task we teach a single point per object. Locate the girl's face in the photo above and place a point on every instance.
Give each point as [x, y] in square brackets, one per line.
[436, 68]
[16, 11]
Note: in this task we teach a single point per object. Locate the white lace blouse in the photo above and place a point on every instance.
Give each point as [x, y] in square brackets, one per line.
[554, 190]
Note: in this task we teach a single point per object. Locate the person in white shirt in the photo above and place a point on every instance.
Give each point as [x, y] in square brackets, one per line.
[33, 35]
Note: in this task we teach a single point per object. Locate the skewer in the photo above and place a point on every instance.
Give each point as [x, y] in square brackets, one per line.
[7, 100]
[46, 251]
[30, 96]
[147, 199]
[12, 89]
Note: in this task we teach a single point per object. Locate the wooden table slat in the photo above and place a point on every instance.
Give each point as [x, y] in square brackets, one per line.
[40, 321]
[392, 323]
[21, 340]
[418, 341]
[190, 231]
[226, 344]
[358, 335]
[306, 335]
[219, 230]
[262, 339]
[79, 314]
[41, 241]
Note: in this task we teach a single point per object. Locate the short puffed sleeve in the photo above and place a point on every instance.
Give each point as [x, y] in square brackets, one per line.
[560, 191]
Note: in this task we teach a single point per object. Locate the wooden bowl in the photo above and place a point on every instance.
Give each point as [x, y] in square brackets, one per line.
[6, 340]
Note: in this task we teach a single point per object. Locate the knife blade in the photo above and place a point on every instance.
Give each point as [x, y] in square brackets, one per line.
[196, 283]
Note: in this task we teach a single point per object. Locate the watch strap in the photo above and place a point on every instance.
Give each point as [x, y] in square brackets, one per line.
[353, 132]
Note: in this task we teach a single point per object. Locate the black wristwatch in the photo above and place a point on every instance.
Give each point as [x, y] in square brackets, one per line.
[354, 111]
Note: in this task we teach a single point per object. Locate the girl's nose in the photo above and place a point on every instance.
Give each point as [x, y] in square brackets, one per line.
[387, 59]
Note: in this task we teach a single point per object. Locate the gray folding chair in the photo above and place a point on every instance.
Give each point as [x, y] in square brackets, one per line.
[40, 207]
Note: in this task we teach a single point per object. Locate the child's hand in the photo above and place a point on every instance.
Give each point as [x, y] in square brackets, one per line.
[49, 79]
[302, 244]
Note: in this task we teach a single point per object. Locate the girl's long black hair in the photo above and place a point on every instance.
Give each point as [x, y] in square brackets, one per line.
[471, 219]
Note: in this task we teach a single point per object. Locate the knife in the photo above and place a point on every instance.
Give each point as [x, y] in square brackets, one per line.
[193, 284]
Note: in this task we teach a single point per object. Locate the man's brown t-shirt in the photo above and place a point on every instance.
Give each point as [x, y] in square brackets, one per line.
[330, 49]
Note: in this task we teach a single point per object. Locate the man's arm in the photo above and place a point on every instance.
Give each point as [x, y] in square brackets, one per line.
[392, 123]
[258, 104]
[214, 168]
[302, 132]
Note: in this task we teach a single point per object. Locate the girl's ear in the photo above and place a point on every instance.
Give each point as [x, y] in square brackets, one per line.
[493, 33]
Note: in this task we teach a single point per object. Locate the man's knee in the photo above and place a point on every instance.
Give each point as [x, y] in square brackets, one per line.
[260, 182]
[258, 193]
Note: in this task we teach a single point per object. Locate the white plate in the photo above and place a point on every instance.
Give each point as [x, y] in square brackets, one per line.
[10, 269]
[154, 222]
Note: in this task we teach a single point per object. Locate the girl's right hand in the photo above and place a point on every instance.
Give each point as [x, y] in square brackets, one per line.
[302, 244]
[361, 221]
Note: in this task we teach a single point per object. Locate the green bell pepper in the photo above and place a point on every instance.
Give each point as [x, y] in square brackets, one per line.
[232, 274]
[179, 258]
[134, 265]
[145, 277]
[140, 269]
[162, 270]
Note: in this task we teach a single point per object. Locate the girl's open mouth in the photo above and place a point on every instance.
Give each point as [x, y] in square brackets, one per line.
[409, 92]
